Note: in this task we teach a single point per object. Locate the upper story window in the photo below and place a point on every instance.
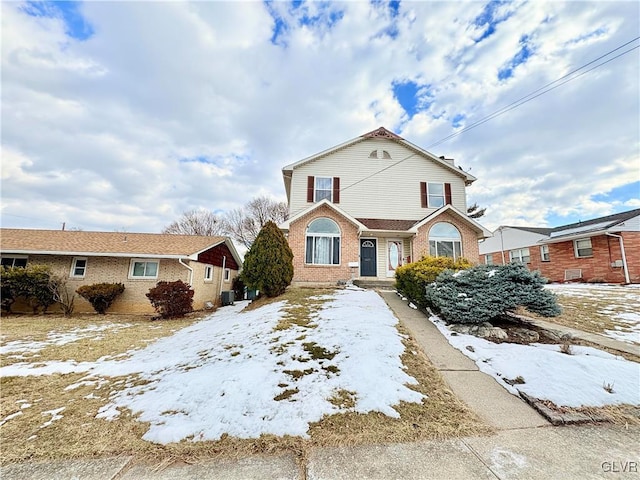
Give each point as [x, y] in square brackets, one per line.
[78, 267]
[323, 242]
[141, 268]
[435, 194]
[445, 241]
[520, 255]
[14, 261]
[380, 154]
[583, 248]
[321, 188]
[544, 253]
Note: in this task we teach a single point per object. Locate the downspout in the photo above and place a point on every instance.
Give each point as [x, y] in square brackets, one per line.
[502, 246]
[224, 264]
[624, 257]
[188, 268]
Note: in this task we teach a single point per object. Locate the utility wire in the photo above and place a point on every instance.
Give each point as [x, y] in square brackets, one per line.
[515, 104]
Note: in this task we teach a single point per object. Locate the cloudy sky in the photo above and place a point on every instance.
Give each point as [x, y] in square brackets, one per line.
[123, 115]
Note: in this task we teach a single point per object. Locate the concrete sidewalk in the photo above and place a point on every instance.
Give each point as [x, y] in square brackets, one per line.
[525, 447]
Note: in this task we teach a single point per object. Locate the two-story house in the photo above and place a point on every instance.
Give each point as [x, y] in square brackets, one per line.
[375, 202]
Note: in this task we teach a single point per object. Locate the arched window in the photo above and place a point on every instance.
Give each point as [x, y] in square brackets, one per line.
[323, 242]
[445, 241]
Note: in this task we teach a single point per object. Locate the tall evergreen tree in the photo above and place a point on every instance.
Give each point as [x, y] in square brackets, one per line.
[268, 265]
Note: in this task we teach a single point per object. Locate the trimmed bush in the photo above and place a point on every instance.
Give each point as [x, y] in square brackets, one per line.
[30, 283]
[100, 295]
[171, 299]
[238, 288]
[485, 292]
[268, 265]
[413, 278]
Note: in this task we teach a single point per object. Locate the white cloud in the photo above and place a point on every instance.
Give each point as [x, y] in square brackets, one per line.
[171, 106]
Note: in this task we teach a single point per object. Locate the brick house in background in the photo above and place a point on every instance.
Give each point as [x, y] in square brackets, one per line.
[601, 249]
[375, 202]
[138, 260]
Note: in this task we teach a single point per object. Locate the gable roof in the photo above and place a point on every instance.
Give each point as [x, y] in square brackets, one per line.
[590, 228]
[285, 225]
[539, 231]
[113, 244]
[482, 232]
[380, 132]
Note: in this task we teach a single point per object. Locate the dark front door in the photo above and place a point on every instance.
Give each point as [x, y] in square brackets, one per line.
[368, 264]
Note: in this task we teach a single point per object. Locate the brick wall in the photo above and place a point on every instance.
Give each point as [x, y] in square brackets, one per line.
[469, 238]
[606, 250]
[349, 249]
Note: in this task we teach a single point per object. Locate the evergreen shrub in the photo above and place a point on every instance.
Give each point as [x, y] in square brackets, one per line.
[171, 299]
[413, 278]
[100, 295]
[485, 292]
[268, 265]
[30, 283]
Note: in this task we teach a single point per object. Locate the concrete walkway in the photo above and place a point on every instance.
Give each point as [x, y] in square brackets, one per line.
[525, 447]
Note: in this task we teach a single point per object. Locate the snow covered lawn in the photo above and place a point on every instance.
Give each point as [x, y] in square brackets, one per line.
[610, 310]
[576, 380]
[245, 374]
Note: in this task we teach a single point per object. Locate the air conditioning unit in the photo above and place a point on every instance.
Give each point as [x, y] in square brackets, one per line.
[616, 264]
[572, 274]
[227, 297]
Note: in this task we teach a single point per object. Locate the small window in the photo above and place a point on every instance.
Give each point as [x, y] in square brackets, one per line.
[583, 248]
[227, 274]
[144, 268]
[488, 259]
[323, 188]
[435, 195]
[520, 255]
[208, 272]
[544, 253]
[78, 267]
[15, 261]
[373, 154]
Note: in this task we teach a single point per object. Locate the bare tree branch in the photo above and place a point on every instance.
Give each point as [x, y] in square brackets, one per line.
[244, 224]
[197, 222]
[474, 211]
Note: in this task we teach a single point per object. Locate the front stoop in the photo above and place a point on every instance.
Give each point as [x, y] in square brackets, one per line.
[375, 283]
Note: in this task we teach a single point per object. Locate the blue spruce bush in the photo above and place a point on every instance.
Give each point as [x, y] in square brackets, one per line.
[485, 292]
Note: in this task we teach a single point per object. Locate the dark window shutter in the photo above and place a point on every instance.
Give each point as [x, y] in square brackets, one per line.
[447, 194]
[423, 194]
[310, 188]
[336, 189]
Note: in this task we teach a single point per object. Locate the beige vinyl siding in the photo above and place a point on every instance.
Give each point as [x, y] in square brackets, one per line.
[394, 193]
[382, 258]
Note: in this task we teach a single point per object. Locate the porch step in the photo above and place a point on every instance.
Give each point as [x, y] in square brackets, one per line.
[366, 283]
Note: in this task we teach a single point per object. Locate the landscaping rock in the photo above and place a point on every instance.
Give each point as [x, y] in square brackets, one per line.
[524, 335]
[484, 330]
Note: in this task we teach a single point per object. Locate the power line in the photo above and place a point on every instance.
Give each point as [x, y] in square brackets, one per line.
[517, 103]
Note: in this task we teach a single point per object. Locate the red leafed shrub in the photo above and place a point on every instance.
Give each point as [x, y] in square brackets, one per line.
[171, 299]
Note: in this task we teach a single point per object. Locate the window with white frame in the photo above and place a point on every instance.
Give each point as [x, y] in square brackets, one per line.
[208, 273]
[488, 259]
[14, 261]
[323, 188]
[445, 241]
[544, 253]
[583, 248]
[78, 267]
[435, 195]
[323, 242]
[520, 255]
[142, 268]
[227, 274]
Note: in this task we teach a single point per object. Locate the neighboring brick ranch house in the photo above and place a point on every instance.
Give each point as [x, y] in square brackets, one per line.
[138, 260]
[601, 249]
[364, 207]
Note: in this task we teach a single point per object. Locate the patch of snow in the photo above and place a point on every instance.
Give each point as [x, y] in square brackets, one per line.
[566, 380]
[9, 417]
[413, 306]
[55, 416]
[196, 388]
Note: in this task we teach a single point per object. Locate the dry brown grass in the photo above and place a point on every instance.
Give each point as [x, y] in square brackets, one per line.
[78, 434]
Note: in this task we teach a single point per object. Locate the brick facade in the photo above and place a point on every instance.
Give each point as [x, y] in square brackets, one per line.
[468, 236]
[349, 248]
[133, 299]
[606, 250]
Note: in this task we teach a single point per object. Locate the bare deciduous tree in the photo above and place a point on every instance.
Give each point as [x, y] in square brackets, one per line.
[244, 224]
[197, 222]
